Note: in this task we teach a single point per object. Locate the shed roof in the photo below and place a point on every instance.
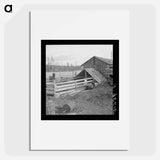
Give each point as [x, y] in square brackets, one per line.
[108, 61]
[96, 75]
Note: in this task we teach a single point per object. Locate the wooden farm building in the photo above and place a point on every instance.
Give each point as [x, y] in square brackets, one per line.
[95, 70]
[100, 69]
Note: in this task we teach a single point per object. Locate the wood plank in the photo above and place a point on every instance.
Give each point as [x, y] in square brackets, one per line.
[70, 91]
[64, 88]
[61, 83]
[67, 87]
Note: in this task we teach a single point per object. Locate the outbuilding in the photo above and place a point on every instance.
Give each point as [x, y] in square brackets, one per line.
[100, 69]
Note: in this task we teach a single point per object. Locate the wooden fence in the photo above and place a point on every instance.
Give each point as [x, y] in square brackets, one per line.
[73, 86]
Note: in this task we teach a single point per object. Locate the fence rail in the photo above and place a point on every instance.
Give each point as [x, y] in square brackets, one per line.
[66, 87]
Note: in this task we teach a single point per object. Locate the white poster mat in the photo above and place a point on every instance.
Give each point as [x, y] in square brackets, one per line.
[79, 135]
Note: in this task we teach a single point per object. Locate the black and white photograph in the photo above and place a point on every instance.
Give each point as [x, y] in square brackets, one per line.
[79, 79]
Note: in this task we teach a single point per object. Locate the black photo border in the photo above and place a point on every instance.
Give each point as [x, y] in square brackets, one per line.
[115, 44]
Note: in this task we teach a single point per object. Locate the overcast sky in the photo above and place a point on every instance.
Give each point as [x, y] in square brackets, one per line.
[77, 54]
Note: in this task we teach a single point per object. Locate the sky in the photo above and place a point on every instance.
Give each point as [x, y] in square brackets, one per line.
[77, 54]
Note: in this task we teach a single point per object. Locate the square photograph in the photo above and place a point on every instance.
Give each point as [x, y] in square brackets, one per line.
[79, 79]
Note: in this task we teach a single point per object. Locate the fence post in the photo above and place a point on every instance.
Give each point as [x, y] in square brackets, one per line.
[54, 88]
[85, 81]
[54, 84]
[75, 86]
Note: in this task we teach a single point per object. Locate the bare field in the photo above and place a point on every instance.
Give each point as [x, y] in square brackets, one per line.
[97, 101]
[63, 76]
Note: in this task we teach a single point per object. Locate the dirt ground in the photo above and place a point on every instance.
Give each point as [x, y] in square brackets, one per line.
[95, 101]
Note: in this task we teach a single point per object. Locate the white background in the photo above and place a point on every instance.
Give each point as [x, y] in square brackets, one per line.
[144, 110]
[79, 24]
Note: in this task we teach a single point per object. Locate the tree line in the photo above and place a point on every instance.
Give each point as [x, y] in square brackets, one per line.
[59, 68]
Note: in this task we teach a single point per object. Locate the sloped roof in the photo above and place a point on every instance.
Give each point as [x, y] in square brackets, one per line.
[96, 75]
[108, 61]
